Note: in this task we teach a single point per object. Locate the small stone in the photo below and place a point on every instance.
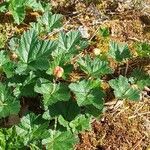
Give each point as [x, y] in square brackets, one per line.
[84, 32]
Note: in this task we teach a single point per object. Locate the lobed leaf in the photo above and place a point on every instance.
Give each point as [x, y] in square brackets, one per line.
[94, 67]
[52, 92]
[143, 49]
[87, 94]
[50, 21]
[9, 105]
[68, 110]
[123, 90]
[69, 44]
[6, 65]
[32, 128]
[60, 140]
[33, 52]
[119, 52]
[80, 123]
[141, 78]
[10, 140]
[17, 9]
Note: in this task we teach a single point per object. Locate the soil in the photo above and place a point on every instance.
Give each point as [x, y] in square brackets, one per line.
[124, 128]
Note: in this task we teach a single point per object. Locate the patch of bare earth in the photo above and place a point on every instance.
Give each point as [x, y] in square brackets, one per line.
[123, 127]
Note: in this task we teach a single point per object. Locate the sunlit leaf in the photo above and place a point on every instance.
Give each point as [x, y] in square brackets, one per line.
[9, 105]
[34, 53]
[60, 140]
[52, 92]
[94, 67]
[123, 90]
[119, 52]
[32, 128]
[87, 94]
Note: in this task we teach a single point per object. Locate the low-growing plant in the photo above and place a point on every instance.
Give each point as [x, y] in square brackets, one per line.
[39, 68]
[18, 8]
[143, 49]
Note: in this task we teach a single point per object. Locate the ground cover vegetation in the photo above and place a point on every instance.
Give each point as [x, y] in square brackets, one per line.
[56, 81]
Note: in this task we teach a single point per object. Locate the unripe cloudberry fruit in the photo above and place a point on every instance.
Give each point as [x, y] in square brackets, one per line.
[58, 72]
[96, 51]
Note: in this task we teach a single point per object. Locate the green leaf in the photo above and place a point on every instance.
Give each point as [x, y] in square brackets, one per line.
[27, 90]
[2, 140]
[53, 92]
[119, 52]
[68, 110]
[17, 9]
[63, 122]
[60, 93]
[87, 94]
[91, 110]
[60, 140]
[123, 90]
[94, 67]
[33, 52]
[67, 42]
[141, 78]
[8, 104]
[33, 129]
[10, 140]
[22, 68]
[9, 69]
[80, 123]
[143, 49]
[50, 21]
[6, 65]
[3, 58]
[35, 5]
[68, 45]
[104, 31]
[23, 85]
[13, 43]
[3, 7]
[44, 86]
[27, 86]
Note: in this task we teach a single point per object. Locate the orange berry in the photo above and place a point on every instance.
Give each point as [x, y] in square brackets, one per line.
[58, 72]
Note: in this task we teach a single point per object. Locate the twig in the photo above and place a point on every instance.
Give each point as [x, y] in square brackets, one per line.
[138, 40]
[57, 30]
[55, 124]
[139, 114]
[127, 66]
[121, 111]
[137, 144]
[94, 34]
